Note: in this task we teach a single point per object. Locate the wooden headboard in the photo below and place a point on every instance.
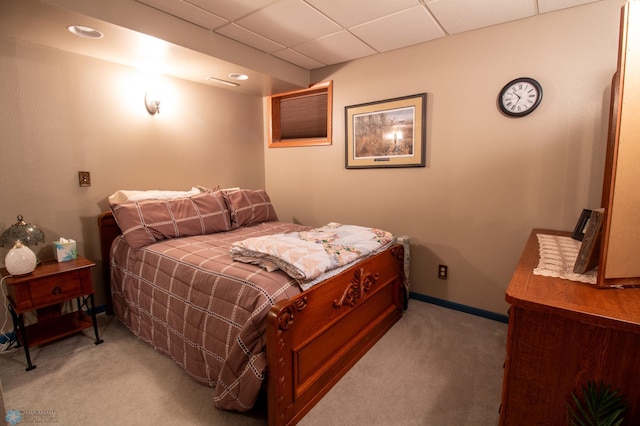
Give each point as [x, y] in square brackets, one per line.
[109, 230]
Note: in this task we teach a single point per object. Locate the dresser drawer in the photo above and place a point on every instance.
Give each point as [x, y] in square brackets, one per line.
[55, 289]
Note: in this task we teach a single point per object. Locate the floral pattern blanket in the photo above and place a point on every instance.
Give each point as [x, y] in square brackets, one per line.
[305, 255]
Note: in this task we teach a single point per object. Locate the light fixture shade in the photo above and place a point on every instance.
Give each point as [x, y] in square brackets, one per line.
[152, 102]
[21, 231]
[20, 260]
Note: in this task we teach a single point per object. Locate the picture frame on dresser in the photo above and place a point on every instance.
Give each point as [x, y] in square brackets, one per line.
[581, 226]
[588, 254]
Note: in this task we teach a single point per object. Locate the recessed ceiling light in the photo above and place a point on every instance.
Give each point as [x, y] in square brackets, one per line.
[238, 76]
[86, 32]
[221, 81]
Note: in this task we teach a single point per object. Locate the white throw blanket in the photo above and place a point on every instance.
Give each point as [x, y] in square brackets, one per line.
[306, 255]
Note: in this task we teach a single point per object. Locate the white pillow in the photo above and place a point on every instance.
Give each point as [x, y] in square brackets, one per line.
[123, 196]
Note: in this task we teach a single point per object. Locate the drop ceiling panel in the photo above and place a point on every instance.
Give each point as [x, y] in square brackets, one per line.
[250, 38]
[402, 29]
[298, 59]
[457, 16]
[335, 48]
[231, 9]
[188, 12]
[545, 6]
[349, 13]
[289, 22]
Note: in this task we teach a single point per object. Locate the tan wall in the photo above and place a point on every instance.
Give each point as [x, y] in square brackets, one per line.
[489, 179]
[61, 113]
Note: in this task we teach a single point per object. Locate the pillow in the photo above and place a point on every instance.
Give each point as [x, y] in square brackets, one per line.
[147, 221]
[123, 196]
[247, 206]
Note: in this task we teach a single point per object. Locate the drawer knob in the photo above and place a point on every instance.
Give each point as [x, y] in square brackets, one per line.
[56, 290]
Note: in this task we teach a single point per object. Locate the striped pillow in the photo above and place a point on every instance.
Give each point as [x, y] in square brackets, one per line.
[248, 207]
[147, 221]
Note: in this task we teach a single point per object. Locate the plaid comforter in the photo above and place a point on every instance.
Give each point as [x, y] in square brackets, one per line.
[191, 301]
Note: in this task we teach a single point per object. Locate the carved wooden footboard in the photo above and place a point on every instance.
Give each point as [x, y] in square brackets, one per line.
[316, 337]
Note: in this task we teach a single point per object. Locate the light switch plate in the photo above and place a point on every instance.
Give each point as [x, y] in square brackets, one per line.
[84, 178]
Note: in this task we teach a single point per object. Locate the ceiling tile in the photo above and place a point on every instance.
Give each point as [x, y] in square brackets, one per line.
[406, 28]
[306, 33]
[231, 10]
[298, 59]
[335, 48]
[289, 22]
[247, 37]
[457, 16]
[188, 12]
[545, 6]
[349, 13]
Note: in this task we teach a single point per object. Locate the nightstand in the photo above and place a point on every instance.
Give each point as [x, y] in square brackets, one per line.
[44, 291]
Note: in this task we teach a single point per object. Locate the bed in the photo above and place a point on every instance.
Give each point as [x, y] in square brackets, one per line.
[233, 325]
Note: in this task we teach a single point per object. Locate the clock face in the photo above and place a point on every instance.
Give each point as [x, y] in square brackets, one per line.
[520, 97]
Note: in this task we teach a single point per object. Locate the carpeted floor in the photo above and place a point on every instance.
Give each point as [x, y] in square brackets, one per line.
[436, 366]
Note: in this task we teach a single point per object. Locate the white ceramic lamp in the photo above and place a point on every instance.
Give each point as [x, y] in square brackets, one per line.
[20, 260]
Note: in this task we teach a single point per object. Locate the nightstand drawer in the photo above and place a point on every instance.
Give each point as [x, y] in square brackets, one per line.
[55, 289]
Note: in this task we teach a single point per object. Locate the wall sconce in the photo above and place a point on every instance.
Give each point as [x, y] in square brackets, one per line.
[152, 102]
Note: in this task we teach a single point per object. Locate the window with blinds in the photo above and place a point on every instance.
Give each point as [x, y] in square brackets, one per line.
[303, 117]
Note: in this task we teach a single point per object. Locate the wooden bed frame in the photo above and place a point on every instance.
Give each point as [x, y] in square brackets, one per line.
[314, 338]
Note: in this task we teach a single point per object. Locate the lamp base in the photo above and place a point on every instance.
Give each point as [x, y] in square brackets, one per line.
[20, 260]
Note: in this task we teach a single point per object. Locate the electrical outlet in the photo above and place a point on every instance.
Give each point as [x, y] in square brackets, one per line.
[443, 272]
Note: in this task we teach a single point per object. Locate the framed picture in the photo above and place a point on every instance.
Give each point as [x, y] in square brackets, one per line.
[389, 133]
[588, 255]
[581, 226]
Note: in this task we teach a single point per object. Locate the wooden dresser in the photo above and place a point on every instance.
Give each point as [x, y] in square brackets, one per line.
[563, 334]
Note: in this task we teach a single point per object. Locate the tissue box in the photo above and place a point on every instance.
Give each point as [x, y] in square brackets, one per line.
[65, 250]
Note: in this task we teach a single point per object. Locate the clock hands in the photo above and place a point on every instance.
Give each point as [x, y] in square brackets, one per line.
[526, 91]
[515, 103]
[517, 96]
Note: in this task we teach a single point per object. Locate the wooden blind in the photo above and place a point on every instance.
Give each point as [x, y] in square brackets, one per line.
[304, 116]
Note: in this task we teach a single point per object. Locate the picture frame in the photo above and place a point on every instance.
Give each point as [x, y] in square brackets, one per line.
[588, 254]
[388, 133]
[581, 226]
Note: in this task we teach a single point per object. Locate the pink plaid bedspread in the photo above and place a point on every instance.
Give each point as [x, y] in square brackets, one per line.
[191, 301]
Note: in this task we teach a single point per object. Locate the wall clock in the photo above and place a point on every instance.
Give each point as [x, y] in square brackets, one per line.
[520, 97]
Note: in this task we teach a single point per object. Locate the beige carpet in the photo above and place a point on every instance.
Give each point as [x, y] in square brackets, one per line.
[436, 366]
